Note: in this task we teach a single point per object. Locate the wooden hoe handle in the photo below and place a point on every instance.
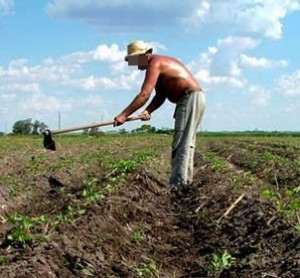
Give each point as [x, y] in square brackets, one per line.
[75, 128]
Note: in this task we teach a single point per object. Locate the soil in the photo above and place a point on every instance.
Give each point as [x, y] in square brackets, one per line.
[180, 231]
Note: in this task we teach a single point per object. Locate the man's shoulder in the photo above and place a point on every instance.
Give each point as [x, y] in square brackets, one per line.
[162, 60]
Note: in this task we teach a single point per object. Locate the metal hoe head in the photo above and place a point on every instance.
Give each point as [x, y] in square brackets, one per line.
[48, 142]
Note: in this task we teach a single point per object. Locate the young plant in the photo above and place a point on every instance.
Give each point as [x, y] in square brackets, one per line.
[22, 234]
[147, 270]
[138, 237]
[288, 203]
[221, 261]
[3, 260]
[68, 216]
[91, 192]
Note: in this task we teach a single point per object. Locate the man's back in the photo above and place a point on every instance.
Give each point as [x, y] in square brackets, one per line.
[174, 78]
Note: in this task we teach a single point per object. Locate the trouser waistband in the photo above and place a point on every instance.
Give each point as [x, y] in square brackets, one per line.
[193, 90]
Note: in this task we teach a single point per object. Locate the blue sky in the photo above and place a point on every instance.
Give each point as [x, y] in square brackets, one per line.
[67, 57]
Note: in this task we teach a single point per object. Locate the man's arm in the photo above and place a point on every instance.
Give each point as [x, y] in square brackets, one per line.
[146, 90]
[156, 102]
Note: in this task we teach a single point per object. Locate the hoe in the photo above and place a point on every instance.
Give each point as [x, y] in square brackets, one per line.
[50, 144]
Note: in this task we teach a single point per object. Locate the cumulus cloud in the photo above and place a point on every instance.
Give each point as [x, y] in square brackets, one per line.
[91, 83]
[259, 95]
[220, 63]
[125, 15]
[20, 88]
[290, 84]
[20, 69]
[264, 63]
[44, 103]
[6, 7]
[262, 18]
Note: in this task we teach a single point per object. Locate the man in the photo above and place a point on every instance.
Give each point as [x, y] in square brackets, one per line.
[173, 81]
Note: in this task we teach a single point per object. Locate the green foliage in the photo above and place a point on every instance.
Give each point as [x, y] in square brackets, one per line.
[69, 215]
[16, 189]
[221, 261]
[138, 237]
[26, 127]
[217, 163]
[90, 191]
[146, 270]
[145, 129]
[22, 234]
[287, 203]
[124, 165]
[3, 260]
[22, 127]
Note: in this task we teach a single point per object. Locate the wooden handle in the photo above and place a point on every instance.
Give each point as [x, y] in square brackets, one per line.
[75, 128]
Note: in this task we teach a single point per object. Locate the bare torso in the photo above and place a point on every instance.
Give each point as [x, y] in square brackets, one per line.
[173, 79]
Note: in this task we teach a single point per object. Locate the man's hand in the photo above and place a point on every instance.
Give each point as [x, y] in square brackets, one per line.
[119, 120]
[145, 116]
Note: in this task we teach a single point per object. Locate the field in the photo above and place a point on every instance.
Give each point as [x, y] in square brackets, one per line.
[100, 207]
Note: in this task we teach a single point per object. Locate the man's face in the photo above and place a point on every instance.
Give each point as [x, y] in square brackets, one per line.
[139, 60]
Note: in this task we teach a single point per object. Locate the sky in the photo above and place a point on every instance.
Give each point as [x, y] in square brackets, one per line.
[66, 57]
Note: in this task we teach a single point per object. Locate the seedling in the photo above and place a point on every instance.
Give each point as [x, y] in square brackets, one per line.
[91, 192]
[3, 260]
[68, 216]
[138, 237]
[22, 234]
[221, 261]
[147, 270]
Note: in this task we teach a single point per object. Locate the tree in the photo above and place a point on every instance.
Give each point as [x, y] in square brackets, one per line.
[27, 127]
[144, 129]
[22, 127]
[37, 127]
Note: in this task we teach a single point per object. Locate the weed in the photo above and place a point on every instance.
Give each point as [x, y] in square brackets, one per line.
[145, 270]
[22, 234]
[63, 162]
[221, 261]
[287, 203]
[3, 260]
[217, 163]
[16, 189]
[68, 216]
[138, 237]
[143, 156]
[91, 192]
[124, 165]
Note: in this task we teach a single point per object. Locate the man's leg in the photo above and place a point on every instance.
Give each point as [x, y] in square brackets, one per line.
[188, 114]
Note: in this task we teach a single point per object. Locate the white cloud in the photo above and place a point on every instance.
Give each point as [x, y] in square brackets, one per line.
[259, 95]
[6, 7]
[261, 18]
[44, 103]
[220, 63]
[17, 88]
[92, 83]
[290, 84]
[109, 53]
[8, 97]
[20, 70]
[264, 63]
[122, 15]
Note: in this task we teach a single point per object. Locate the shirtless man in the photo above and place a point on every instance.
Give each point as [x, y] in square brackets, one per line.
[173, 81]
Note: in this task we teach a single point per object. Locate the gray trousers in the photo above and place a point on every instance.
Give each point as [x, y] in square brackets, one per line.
[188, 114]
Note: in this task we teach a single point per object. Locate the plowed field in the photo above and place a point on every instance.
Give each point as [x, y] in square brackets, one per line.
[101, 207]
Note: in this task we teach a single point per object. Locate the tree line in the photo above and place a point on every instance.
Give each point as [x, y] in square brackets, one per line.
[30, 127]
